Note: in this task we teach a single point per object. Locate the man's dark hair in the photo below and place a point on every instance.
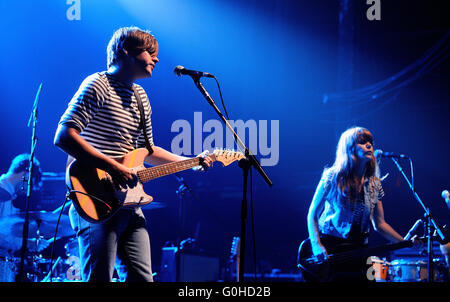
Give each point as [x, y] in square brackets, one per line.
[21, 163]
[130, 39]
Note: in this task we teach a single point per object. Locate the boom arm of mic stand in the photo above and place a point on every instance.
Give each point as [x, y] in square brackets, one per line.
[252, 159]
[416, 196]
[245, 165]
[430, 220]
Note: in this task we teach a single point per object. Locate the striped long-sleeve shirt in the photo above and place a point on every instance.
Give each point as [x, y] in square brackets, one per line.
[106, 114]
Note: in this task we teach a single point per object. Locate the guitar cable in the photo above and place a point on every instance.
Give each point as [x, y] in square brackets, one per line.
[54, 237]
[69, 192]
[221, 98]
[91, 196]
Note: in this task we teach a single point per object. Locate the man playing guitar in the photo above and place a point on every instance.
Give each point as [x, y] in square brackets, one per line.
[104, 121]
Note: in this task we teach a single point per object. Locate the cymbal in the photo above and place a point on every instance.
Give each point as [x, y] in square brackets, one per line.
[41, 221]
[4, 195]
[38, 215]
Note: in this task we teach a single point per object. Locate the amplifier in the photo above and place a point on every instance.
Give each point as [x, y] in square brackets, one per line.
[187, 267]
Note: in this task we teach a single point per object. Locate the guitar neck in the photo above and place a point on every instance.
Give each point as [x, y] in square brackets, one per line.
[390, 247]
[148, 174]
[365, 252]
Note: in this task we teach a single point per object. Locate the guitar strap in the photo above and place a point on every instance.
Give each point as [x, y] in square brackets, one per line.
[143, 123]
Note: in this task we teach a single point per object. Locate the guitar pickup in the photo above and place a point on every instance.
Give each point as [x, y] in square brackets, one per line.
[317, 259]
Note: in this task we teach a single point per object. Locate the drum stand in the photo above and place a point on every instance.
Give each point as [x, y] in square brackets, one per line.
[429, 223]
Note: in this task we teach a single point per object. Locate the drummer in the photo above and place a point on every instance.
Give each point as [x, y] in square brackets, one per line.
[13, 184]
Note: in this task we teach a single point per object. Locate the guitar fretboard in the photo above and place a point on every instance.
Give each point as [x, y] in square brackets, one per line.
[365, 252]
[170, 168]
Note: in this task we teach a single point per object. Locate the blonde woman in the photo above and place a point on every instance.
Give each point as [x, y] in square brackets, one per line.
[347, 200]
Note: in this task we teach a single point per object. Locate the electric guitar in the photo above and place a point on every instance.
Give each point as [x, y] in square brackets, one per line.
[316, 269]
[97, 199]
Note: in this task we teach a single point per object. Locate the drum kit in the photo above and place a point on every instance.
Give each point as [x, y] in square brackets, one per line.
[409, 269]
[411, 264]
[42, 225]
[65, 267]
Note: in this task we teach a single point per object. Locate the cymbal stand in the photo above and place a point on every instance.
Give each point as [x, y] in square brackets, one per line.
[31, 123]
[38, 233]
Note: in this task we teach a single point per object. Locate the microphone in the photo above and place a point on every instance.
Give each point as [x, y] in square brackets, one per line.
[413, 230]
[380, 153]
[446, 196]
[180, 70]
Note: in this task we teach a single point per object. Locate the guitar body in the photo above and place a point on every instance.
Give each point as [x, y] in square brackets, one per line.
[96, 198]
[94, 195]
[346, 261]
[311, 272]
[320, 270]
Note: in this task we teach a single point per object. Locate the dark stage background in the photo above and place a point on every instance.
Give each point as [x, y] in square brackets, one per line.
[314, 66]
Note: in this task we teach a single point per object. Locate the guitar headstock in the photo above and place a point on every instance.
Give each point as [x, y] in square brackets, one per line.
[235, 247]
[226, 157]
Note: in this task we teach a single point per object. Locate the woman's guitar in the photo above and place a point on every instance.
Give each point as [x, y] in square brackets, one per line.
[320, 270]
[96, 198]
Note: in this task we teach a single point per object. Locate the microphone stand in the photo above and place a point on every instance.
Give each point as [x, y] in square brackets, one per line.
[429, 223]
[245, 165]
[31, 122]
[181, 221]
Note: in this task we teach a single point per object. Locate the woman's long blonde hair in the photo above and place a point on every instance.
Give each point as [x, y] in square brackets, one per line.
[341, 173]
